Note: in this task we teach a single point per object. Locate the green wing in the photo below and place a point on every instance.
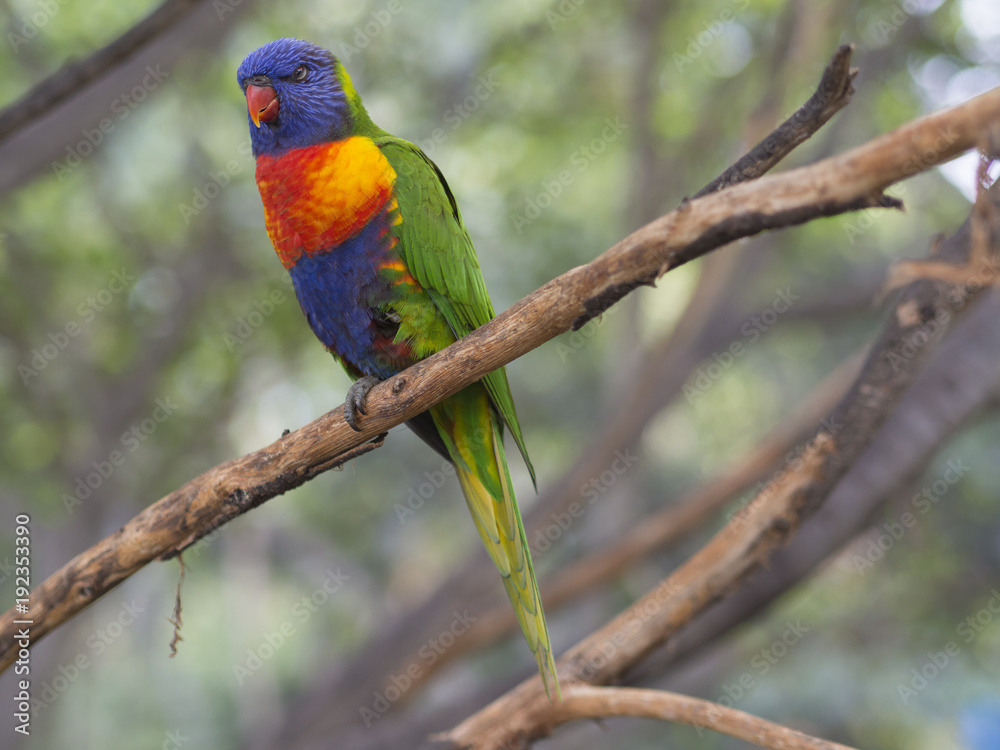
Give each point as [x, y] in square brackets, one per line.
[439, 254]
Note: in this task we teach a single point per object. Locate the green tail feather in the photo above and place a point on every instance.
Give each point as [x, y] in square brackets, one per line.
[472, 434]
[543, 649]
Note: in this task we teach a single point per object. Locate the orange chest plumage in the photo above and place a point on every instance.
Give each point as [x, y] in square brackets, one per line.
[317, 197]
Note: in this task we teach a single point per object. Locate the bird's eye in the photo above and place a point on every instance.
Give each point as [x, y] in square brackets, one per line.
[300, 73]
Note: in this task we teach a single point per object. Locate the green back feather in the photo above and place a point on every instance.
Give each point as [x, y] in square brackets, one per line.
[439, 254]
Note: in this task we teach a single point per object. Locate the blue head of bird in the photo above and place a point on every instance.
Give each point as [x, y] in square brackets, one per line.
[295, 96]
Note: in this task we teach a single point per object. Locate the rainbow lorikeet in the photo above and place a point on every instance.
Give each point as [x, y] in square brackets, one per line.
[386, 275]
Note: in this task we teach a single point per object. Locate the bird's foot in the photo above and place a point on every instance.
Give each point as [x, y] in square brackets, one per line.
[356, 397]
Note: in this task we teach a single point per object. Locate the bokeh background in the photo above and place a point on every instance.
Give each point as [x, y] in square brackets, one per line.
[142, 310]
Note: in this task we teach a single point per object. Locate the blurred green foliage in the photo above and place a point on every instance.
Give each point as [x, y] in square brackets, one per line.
[206, 320]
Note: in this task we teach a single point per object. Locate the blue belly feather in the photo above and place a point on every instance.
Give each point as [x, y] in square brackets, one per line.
[338, 290]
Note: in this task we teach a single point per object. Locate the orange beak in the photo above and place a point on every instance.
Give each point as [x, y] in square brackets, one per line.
[262, 103]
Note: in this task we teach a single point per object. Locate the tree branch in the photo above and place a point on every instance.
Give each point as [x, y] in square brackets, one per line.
[916, 324]
[848, 182]
[954, 389]
[68, 81]
[586, 701]
[669, 524]
[832, 95]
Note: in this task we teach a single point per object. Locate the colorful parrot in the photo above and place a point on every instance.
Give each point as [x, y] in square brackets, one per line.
[386, 275]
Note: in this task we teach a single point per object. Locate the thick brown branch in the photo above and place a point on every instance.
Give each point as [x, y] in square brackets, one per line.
[766, 522]
[844, 183]
[678, 520]
[951, 391]
[66, 82]
[663, 527]
[586, 701]
[851, 181]
[167, 528]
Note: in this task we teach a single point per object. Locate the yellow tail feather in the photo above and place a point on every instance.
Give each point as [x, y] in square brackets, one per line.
[499, 524]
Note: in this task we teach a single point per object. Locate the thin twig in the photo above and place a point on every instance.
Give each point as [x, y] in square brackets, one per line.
[175, 618]
[832, 95]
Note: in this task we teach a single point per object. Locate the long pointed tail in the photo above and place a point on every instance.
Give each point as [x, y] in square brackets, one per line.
[472, 435]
